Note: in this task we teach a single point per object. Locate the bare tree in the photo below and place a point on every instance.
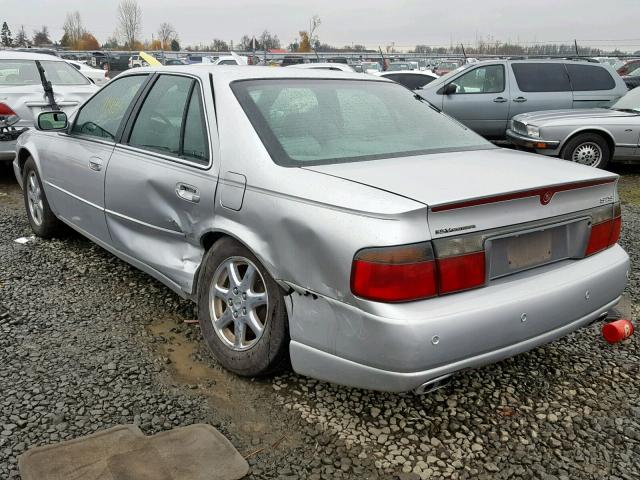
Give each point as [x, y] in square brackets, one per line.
[73, 29]
[166, 33]
[129, 22]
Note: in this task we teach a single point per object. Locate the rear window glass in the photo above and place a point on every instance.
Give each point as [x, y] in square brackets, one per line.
[589, 77]
[61, 73]
[308, 121]
[541, 77]
[18, 72]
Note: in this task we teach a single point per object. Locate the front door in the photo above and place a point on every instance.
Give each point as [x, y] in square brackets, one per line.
[481, 100]
[77, 161]
[159, 186]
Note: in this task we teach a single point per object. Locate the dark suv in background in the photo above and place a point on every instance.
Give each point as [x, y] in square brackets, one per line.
[485, 95]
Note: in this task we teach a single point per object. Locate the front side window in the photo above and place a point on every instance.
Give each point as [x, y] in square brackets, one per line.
[489, 79]
[586, 78]
[541, 77]
[102, 115]
[321, 121]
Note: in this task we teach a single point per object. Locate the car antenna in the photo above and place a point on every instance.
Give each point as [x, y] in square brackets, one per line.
[463, 53]
[382, 55]
[48, 89]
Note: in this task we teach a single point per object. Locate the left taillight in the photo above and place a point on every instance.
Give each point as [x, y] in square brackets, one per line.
[395, 274]
[605, 229]
[7, 116]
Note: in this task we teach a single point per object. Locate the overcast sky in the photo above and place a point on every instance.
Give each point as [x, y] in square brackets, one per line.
[369, 22]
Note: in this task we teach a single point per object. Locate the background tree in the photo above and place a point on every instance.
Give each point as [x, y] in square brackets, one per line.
[305, 44]
[219, 45]
[21, 39]
[129, 22]
[87, 42]
[268, 41]
[5, 36]
[166, 33]
[111, 43]
[175, 45]
[41, 37]
[73, 30]
[245, 43]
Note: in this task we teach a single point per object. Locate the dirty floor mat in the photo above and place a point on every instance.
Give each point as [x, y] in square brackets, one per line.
[196, 452]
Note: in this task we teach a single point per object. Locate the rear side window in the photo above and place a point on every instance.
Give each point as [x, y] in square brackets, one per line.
[586, 78]
[541, 77]
[195, 145]
[102, 114]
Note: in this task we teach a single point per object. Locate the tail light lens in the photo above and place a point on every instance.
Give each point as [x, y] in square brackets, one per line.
[605, 229]
[394, 274]
[7, 116]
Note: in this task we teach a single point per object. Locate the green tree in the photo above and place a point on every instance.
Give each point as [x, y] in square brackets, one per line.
[5, 35]
[42, 37]
[21, 39]
[175, 45]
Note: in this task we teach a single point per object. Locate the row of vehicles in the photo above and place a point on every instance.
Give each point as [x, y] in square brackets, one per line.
[329, 220]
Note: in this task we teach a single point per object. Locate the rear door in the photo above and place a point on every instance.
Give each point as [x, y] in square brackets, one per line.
[159, 184]
[592, 85]
[74, 165]
[481, 100]
[539, 86]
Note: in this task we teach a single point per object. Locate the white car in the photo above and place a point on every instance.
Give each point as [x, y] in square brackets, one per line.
[23, 96]
[232, 59]
[136, 61]
[412, 79]
[96, 75]
[340, 67]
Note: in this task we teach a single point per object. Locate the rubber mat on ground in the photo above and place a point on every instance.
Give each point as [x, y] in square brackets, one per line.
[196, 452]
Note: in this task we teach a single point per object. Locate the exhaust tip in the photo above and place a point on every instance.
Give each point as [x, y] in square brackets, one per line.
[433, 385]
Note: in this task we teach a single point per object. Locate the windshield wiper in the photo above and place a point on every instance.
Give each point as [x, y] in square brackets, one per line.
[48, 89]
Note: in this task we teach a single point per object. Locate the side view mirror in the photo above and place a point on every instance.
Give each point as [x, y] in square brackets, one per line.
[52, 121]
[450, 89]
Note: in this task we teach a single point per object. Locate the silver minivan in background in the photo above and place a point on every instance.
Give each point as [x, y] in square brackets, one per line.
[486, 95]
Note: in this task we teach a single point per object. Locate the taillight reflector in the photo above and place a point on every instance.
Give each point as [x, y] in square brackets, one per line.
[393, 283]
[6, 109]
[461, 272]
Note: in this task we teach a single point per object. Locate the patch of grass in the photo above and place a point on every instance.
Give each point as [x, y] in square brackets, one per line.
[629, 188]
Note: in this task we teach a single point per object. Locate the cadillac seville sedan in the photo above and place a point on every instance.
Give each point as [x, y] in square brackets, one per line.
[333, 221]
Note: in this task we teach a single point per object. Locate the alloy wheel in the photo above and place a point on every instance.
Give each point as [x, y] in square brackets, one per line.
[34, 198]
[238, 303]
[588, 153]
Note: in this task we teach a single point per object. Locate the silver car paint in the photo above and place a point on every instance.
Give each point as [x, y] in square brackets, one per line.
[621, 128]
[489, 113]
[305, 225]
[28, 100]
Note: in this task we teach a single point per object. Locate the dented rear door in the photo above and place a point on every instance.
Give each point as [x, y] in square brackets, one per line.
[155, 196]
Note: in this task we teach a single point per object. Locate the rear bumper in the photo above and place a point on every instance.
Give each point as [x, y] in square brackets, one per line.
[539, 145]
[396, 350]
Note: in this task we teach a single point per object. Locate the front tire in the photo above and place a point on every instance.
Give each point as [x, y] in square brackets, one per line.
[588, 149]
[242, 314]
[42, 220]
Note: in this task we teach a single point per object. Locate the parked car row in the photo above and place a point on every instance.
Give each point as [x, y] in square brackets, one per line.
[386, 253]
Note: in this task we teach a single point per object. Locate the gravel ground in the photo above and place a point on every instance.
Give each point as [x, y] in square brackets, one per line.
[88, 342]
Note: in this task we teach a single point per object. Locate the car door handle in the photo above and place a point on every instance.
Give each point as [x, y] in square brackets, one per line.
[519, 100]
[95, 164]
[188, 192]
[500, 100]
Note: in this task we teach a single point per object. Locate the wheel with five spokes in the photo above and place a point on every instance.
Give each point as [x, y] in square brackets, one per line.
[242, 313]
[42, 220]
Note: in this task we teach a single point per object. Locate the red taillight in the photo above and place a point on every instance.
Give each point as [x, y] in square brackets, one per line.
[606, 232]
[394, 274]
[461, 273]
[6, 110]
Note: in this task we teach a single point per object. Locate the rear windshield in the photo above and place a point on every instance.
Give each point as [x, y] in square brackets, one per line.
[322, 121]
[25, 72]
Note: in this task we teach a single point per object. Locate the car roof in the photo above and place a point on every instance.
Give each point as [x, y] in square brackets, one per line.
[230, 73]
[16, 55]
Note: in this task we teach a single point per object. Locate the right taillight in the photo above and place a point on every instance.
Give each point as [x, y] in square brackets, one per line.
[605, 229]
[7, 116]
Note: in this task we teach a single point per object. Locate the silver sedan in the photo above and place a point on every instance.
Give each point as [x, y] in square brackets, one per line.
[591, 137]
[332, 220]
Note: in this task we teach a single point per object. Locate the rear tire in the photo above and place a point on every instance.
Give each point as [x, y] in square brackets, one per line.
[587, 149]
[42, 220]
[242, 312]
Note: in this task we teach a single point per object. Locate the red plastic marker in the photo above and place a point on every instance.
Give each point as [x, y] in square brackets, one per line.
[617, 331]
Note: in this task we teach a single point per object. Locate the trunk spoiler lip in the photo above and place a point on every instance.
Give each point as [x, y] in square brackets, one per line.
[545, 194]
